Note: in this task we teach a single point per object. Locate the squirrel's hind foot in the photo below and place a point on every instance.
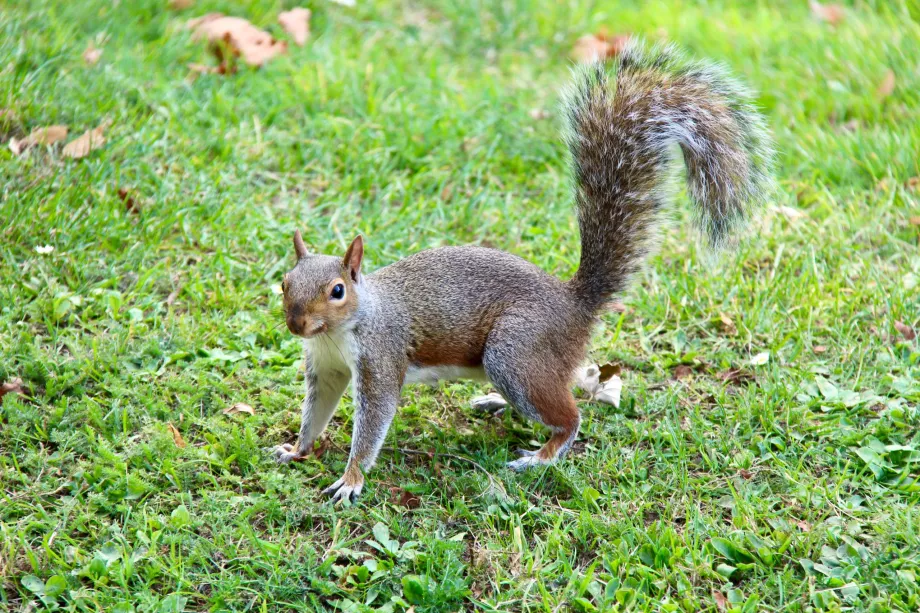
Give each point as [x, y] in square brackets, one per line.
[527, 460]
[347, 488]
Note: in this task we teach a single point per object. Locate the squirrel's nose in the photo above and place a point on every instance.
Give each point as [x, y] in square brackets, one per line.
[297, 325]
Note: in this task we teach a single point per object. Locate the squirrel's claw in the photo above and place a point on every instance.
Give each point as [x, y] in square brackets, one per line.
[342, 492]
[528, 459]
[285, 453]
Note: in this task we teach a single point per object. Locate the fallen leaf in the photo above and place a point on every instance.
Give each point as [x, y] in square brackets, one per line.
[681, 371]
[610, 391]
[609, 370]
[819, 348]
[745, 474]
[728, 326]
[177, 436]
[721, 600]
[887, 86]
[760, 359]
[180, 5]
[86, 142]
[239, 407]
[803, 525]
[324, 445]
[831, 13]
[913, 184]
[13, 386]
[906, 331]
[296, 22]
[594, 47]
[404, 498]
[588, 379]
[538, 114]
[914, 221]
[130, 203]
[735, 375]
[254, 45]
[39, 136]
[171, 298]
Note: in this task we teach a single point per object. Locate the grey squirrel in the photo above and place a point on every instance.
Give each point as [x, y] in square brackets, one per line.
[476, 312]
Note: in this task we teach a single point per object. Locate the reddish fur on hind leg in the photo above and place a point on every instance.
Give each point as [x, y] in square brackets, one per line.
[557, 409]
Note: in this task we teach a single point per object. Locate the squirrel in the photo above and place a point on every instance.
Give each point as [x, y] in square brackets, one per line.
[483, 313]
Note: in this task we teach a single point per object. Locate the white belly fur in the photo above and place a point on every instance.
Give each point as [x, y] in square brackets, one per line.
[333, 351]
[432, 374]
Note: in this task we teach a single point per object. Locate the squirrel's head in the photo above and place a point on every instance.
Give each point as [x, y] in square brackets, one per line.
[319, 293]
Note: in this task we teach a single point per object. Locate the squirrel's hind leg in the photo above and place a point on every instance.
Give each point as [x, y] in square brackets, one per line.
[541, 394]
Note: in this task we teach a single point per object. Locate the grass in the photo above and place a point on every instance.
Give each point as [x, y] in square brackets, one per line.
[793, 487]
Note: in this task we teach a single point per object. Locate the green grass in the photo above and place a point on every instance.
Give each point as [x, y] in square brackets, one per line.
[792, 489]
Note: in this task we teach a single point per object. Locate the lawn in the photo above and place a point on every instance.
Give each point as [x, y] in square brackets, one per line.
[765, 455]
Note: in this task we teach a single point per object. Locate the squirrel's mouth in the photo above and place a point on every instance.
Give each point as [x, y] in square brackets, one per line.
[315, 330]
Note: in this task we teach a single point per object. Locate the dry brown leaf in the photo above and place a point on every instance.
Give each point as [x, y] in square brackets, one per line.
[728, 326]
[745, 474]
[831, 13]
[803, 525]
[177, 436]
[86, 142]
[13, 386]
[906, 331]
[324, 445]
[735, 375]
[593, 47]
[296, 22]
[254, 45]
[92, 54]
[609, 370]
[914, 221]
[887, 86]
[239, 407]
[179, 5]
[130, 203]
[913, 184]
[682, 371]
[721, 600]
[39, 136]
[819, 348]
[404, 498]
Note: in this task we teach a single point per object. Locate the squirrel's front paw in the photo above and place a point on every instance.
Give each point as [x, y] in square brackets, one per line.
[285, 453]
[346, 489]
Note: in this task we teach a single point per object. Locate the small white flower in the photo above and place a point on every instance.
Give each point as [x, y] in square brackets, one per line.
[44, 250]
[276, 289]
[760, 359]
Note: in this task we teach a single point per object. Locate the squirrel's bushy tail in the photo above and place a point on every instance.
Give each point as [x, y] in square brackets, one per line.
[621, 139]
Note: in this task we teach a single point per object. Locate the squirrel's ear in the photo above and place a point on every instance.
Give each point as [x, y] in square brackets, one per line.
[352, 260]
[299, 248]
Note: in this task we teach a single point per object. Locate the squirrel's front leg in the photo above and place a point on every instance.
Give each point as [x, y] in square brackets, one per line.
[377, 389]
[325, 387]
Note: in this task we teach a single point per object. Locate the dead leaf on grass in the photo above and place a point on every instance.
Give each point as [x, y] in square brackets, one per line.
[86, 142]
[887, 86]
[404, 498]
[239, 407]
[180, 5]
[803, 525]
[682, 371]
[913, 185]
[831, 13]
[92, 54]
[600, 46]
[819, 349]
[241, 38]
[130, 203]
[735, 376]
[177, 436]
[721, 600]
[13, 386]
[296, 22]
[728, 326]
[609, 370]
[906, 331]
[39, 136]
[914, 221]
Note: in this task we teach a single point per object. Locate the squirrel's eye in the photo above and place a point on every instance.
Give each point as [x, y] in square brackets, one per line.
[338, 292]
